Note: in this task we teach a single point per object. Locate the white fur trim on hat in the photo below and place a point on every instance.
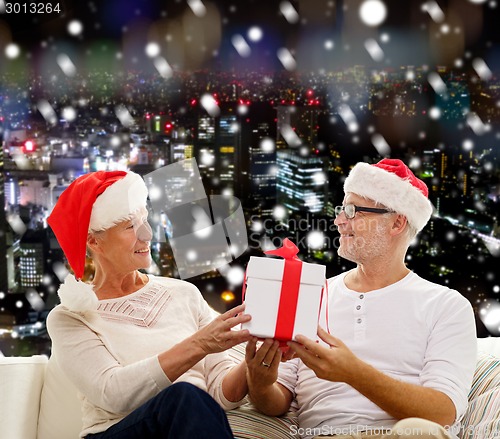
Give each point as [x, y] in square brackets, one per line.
[76, 295]
[118, 202]
[391, 191]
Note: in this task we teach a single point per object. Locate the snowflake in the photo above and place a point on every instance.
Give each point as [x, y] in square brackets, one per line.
[75, 27]
[315, 240]
[255, 34]
[235, 275]
[373, 12]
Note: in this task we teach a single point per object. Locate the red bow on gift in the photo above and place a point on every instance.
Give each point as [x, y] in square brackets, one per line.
[289, 295]
[288, 251]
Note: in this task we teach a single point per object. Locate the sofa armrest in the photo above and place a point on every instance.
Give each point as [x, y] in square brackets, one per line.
[60, 408]
[21, 382]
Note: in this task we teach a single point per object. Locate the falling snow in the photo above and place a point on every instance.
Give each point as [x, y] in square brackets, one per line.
[289, 12]
[210, 105]
[434, 11]
[12, 51]
[373, 12]
[255, 34]
[381, 145]
[315, 240]
[374, 49]
[235, 275]
[241, 46]
[197, 7]
[75, 27]
[286, 58]
[442, 96]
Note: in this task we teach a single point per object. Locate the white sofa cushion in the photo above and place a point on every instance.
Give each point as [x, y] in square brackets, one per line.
[60, 409]
[21, 380]
[490, 345]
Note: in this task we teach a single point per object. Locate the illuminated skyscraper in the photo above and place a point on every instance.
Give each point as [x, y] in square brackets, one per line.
[180, 151]
[227, 148]
[217, 149]
[31, 267]
[204, 149]
[3, 227]
[302, 182]
[262, 167]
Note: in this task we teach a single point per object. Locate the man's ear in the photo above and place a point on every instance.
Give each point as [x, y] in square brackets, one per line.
[399, 224]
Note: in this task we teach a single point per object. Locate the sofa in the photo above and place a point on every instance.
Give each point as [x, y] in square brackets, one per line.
[38, 402]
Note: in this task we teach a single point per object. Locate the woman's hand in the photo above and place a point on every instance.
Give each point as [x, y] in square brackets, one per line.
[218, 335]
[267, 395]
[262, 363]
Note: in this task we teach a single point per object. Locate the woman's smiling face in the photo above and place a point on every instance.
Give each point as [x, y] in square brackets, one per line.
[125, 246]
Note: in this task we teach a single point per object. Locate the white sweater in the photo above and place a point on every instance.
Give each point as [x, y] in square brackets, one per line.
[111, 355]
[414, 331]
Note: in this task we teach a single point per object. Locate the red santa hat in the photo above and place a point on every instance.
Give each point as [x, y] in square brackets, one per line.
[391, 183]
[94, 202]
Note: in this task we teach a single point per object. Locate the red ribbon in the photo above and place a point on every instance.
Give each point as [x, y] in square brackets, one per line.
[289, 295]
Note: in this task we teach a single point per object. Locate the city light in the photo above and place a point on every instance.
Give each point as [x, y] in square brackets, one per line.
[227, 296]
[29, 146]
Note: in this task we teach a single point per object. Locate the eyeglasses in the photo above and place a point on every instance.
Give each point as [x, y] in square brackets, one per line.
[350, 210]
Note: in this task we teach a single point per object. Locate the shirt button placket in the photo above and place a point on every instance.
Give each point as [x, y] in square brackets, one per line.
[359, 319]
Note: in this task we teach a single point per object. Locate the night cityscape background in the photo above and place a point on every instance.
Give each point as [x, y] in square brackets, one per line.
[276, 101]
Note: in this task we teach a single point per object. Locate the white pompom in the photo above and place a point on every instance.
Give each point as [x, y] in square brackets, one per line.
[77, 295]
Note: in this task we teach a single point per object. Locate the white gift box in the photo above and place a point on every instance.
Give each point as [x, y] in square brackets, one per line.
[263, 292]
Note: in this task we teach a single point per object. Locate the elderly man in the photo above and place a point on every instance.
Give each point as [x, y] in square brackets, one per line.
[401, 354]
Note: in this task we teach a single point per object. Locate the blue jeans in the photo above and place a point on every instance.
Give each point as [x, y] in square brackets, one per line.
[177, 412]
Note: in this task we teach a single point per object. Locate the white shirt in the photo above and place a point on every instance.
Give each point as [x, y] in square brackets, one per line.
[414, 331]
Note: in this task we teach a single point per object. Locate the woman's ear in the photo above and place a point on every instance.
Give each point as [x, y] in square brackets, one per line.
[92, 243]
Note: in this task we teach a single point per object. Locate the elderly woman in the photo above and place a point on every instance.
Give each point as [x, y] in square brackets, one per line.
[146, 353]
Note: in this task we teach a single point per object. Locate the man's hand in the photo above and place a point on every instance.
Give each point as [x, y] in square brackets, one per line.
[333, 363]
